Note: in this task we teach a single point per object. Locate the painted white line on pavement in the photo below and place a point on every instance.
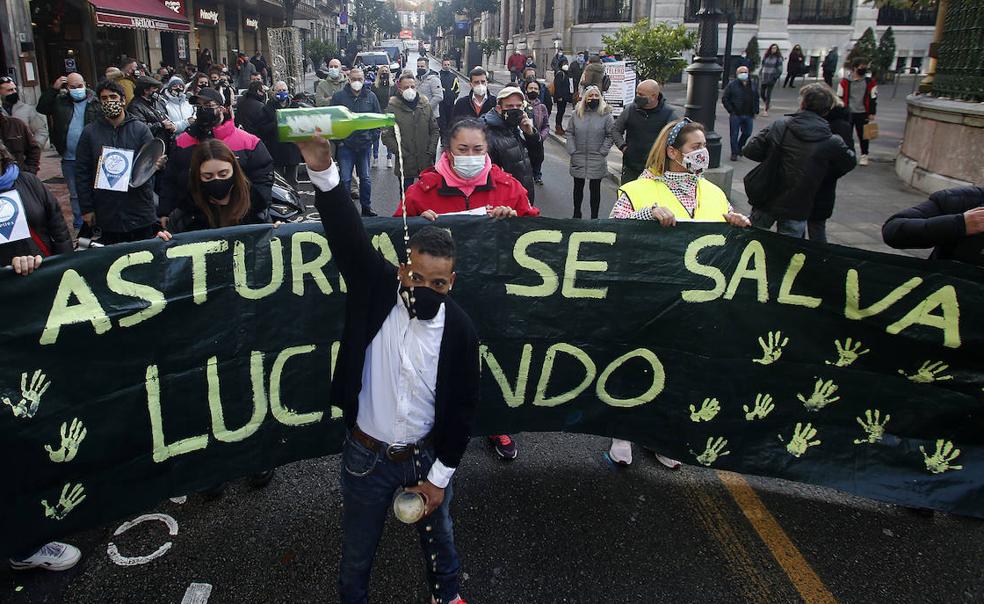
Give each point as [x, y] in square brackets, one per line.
[114, 553]
[197, 593]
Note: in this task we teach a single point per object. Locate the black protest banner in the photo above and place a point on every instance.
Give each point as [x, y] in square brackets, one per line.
[138, 372]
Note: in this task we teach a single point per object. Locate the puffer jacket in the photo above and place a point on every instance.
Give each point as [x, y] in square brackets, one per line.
[34, 120]
[44, 217]
[249, 112]
[252, 154]
[429, 85]
[809, 153]
[364, 102]
[939, 223]
[589, 139]
[59, 106]
[431, 192]
[179, 111]
[116, 211]
[741, 98]
[284, 154]
[419, 132]
[510, 149]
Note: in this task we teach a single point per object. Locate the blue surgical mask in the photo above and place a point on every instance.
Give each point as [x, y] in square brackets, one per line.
[77, 94]
[283, 96]
[742, 76]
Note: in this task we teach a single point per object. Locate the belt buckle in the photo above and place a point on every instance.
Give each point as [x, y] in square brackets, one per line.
[392, 451]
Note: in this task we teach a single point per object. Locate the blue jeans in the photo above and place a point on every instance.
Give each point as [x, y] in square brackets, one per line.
[369, 481]
[764, 220]
[743, 124]
[68, 171]
[359, 159]
[375, 148]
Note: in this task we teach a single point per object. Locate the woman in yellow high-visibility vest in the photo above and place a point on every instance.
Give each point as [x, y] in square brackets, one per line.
[671, 190]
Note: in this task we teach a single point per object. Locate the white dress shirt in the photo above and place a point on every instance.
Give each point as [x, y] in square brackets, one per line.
[399, 374]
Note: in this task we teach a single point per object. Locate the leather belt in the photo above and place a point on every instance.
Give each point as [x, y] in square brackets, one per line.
[393, 452]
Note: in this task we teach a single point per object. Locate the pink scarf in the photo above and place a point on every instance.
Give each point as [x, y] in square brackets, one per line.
[465, 185]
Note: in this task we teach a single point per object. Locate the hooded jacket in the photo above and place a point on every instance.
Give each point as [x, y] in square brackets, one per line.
[44, 217]
[431, 192]
[253, 157]
[60, 107]
[510, 149]
[809, 153]
[839, 119]
[419, 133]
[179, 109]
[363, 102]
[939, 222]
[327, 88]
[641, 127]
[116, 211]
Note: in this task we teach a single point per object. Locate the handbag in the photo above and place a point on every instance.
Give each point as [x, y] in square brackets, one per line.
[764, 182]
[870, 131]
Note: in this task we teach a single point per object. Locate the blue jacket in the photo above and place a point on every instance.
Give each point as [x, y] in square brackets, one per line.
[364, 102]
[736, 99]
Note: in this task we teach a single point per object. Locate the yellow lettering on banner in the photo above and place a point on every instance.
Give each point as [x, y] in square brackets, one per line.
[852, 297]
[785, 289]
[550, 279]
[540, 398]
[219, 429]
[574, 265]
[315, 267]
[162, 450]
[240, 274]
[280, 412]
[156, 301]
[655, 387]
[198, 252]
[711, 272]
[753, 254]
[949, 322]
[383, 243]
[513, 397]
[88, 310]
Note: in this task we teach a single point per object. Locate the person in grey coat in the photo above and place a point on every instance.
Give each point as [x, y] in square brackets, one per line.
[429, 86]
[590, 137]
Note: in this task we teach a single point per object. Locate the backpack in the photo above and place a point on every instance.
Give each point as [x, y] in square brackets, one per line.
[606, 83]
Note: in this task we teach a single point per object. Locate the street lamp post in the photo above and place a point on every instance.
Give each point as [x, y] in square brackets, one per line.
[705, 73]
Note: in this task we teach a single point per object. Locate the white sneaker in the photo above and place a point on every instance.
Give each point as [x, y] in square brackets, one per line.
[765, 113]
[51, 556]
[621, 452]
[863, 161]
[389, 163]
[666, 461]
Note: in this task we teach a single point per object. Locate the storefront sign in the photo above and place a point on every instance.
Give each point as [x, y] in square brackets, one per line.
[251, 23]
[182, 47]
[177, 6]
[207, 16]
[112, 20]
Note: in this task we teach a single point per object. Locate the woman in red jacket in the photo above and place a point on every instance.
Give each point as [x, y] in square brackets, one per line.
[466, 180]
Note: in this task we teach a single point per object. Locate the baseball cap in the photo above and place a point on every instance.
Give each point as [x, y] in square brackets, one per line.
[208, 94]
[507, 92]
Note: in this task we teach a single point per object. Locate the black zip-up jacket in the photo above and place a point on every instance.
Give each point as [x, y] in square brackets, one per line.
[45, 219]
[839, 119]
[249, 114]
[641, 128]
[465, 109]
[939, 222]
[116, 211]
[372, 293]
[741, 99]
[60, 108]
[809, 152]
[511, 150]
[150, 113]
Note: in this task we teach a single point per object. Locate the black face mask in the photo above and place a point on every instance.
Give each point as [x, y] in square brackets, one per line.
[421, 72]
[532, 94]
[216, 188]
[592, 104]
[207, 117]
[11, 99]
[641, 101]
[513, 117]
[426, 302]
[861, 71]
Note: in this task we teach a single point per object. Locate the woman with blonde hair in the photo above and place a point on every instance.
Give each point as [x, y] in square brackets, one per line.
[671, 189]
[590, 137]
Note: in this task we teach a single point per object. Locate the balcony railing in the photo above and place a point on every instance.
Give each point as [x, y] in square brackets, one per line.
[548, 14]
[605, 11]
[821, 12]
[746, 11]
[532, 16]
[904, 16]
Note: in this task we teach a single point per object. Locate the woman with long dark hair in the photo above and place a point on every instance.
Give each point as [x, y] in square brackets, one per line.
[769, 75]
[795, 67]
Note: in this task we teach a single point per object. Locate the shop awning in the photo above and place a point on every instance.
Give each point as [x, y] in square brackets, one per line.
[138, 14]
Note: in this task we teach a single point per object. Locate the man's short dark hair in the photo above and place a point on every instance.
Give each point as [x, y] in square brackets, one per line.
[477, 72]
[816, 97]
[859, 61]
[111, 86]
[433, 241]
[255, 87]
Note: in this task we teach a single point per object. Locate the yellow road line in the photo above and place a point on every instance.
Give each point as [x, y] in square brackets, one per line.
[799, 571]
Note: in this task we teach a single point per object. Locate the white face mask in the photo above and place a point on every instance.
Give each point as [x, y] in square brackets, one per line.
[480, 90]
[333, 72]
[743, 76]
[409, 94]
[469, 166]
[356, 85]
[697, 160]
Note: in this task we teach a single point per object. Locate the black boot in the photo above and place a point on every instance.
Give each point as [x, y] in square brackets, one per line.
[260, 479]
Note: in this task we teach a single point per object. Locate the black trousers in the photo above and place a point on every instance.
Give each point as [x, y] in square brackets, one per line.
[594, 187]
[858, 120]
[561, 108]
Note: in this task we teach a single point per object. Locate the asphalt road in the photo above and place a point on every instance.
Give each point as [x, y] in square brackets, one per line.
[559, 524]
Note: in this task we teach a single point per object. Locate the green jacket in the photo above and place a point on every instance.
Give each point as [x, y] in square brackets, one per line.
[419, 131]
[60, 107]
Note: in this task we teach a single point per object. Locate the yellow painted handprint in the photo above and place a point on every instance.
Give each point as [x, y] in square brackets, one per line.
[873, 426]
[708, 409]
[823, 395]
[847, 353]
[771, 350]
[929, 372]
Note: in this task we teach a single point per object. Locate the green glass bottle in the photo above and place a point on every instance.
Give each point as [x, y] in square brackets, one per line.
[334, 122]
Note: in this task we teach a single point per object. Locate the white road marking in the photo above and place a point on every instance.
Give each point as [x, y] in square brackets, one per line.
[117, 558]
[197, 593]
